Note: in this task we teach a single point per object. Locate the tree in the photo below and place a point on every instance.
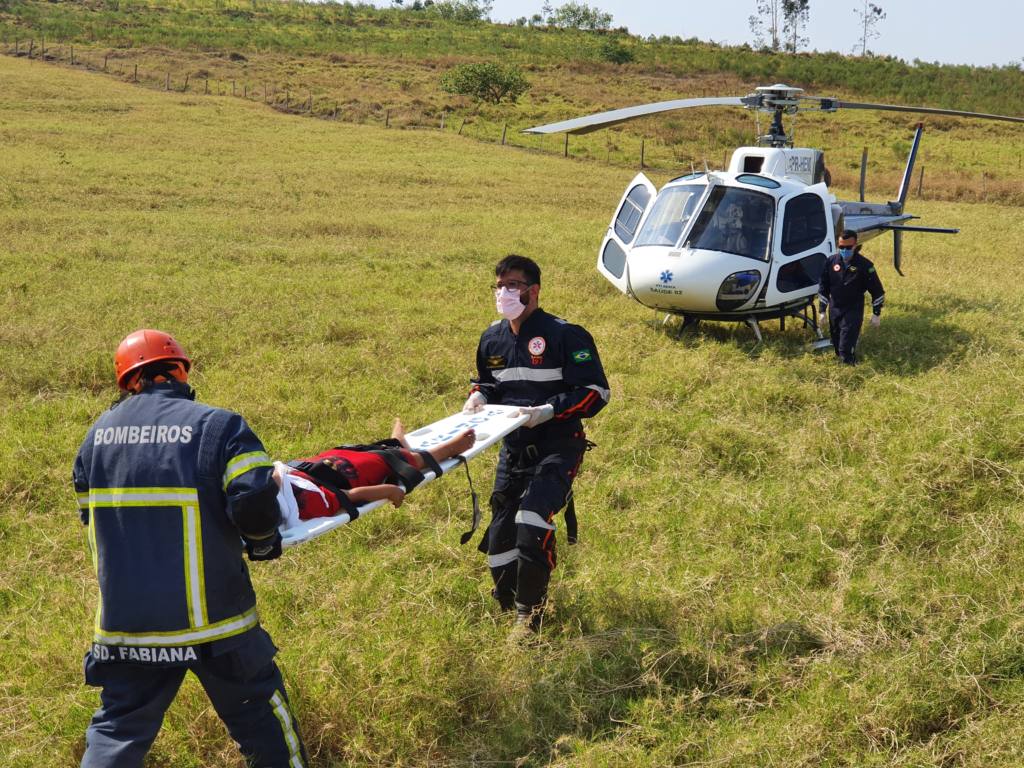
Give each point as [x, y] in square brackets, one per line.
[795, 15]
[766, 24]
[578, 16]
[486, 81]
[869, 17]
[462, 10]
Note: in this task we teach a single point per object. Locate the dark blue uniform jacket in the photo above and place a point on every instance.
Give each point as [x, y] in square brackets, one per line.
[162, 483]
[550, 361]
[843, 286]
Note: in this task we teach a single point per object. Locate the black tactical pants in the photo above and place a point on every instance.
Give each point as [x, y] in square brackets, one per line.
[845, 324]
[529, 489]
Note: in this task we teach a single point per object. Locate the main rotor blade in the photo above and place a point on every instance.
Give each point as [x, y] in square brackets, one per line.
[830, 105]
[615, 116]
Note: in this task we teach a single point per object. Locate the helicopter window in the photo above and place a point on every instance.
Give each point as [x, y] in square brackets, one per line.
[735, 221]
[804, 225]
[614, 258]
[753, 164]
[670, 215]
[630, 213]
[759, 181]
[801, 273]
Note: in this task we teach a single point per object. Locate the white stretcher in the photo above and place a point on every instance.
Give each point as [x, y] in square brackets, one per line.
[491, 425]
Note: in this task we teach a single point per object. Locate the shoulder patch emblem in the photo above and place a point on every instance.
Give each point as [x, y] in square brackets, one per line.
[495, 361]
[537, 345]
[582, 356]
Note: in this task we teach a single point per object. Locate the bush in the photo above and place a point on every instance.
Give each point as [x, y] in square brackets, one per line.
[486, 82]
[613, 51]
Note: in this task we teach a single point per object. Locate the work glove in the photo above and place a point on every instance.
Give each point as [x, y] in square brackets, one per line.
[876, 321]
[475, 403]
[538, 414]
[268, 548]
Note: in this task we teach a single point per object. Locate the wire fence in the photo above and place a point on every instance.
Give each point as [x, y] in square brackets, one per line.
[637, 152]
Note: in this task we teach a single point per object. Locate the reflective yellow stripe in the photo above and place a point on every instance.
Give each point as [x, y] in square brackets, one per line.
[222, 629]
[142, 497]
[243, 463]
[186, 499]
[291, 738]
[83, 500]
[195, 595]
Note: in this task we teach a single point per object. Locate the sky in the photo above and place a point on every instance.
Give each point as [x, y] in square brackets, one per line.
[982, 32]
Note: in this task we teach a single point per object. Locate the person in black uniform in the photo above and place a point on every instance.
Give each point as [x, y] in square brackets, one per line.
[552, 369]
[171, 492]
[845, 278]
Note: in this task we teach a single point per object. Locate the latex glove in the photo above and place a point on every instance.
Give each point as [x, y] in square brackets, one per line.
[474, 403]
[268, 548]
[876, 321]
[538, 414]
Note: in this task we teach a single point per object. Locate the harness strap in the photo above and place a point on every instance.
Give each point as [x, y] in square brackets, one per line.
[324, 474]
[476, 502]
[408, 474]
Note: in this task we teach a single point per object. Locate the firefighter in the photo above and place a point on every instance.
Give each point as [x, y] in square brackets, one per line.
[845, 278]
[172, 492]
[552, 370]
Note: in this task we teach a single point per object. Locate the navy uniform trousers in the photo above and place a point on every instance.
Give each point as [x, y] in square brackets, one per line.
[244, 685]
[844, 326]
[530, 487]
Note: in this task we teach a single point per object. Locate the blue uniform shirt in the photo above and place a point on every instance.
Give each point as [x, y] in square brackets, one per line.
[159, 478]
[550, 361]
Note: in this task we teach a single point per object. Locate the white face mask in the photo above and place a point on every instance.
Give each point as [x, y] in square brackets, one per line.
[508, 304]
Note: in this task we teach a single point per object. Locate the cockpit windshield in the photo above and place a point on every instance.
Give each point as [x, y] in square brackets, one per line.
[735, 221]
[670, 215]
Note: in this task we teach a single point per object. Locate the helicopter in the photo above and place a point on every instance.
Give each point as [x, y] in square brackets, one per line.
[746, 244]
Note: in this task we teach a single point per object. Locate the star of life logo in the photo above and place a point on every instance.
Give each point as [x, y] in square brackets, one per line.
[666, 277]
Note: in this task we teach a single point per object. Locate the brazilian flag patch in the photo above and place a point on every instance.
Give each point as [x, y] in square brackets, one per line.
[582, 356]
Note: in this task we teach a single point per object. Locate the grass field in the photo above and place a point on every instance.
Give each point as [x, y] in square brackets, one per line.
[360, 64]
[783, 562]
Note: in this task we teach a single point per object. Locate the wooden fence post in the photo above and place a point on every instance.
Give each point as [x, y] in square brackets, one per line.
[185, 86]
[504, 130]
[72, 55]
[643, 147]
[387, 119]
[206, 87]
[167, 82]
[443, 113]
[105, 55]
[920, 181]
[264, 93]
[565, 149]
[462, 126]
[309, 104]
[135, 77]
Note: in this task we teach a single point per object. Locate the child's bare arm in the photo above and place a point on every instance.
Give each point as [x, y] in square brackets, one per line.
[368, 493]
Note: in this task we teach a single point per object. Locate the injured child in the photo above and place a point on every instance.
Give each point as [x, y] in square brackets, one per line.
[341, 479]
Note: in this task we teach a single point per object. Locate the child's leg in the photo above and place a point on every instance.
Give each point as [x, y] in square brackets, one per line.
[446, 450]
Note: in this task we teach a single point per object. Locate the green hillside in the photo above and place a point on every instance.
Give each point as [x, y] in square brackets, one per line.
[357, 63]
[783, 562]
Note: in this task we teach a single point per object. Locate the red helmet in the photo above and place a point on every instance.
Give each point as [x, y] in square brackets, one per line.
[146, 346]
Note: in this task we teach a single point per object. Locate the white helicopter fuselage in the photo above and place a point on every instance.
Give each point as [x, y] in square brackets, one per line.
[749, 242]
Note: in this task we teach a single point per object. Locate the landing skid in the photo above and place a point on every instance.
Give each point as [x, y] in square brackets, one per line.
[807, 314]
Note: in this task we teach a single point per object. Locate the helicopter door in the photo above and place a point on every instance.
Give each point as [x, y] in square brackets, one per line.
[611, 259]
[805, 236]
